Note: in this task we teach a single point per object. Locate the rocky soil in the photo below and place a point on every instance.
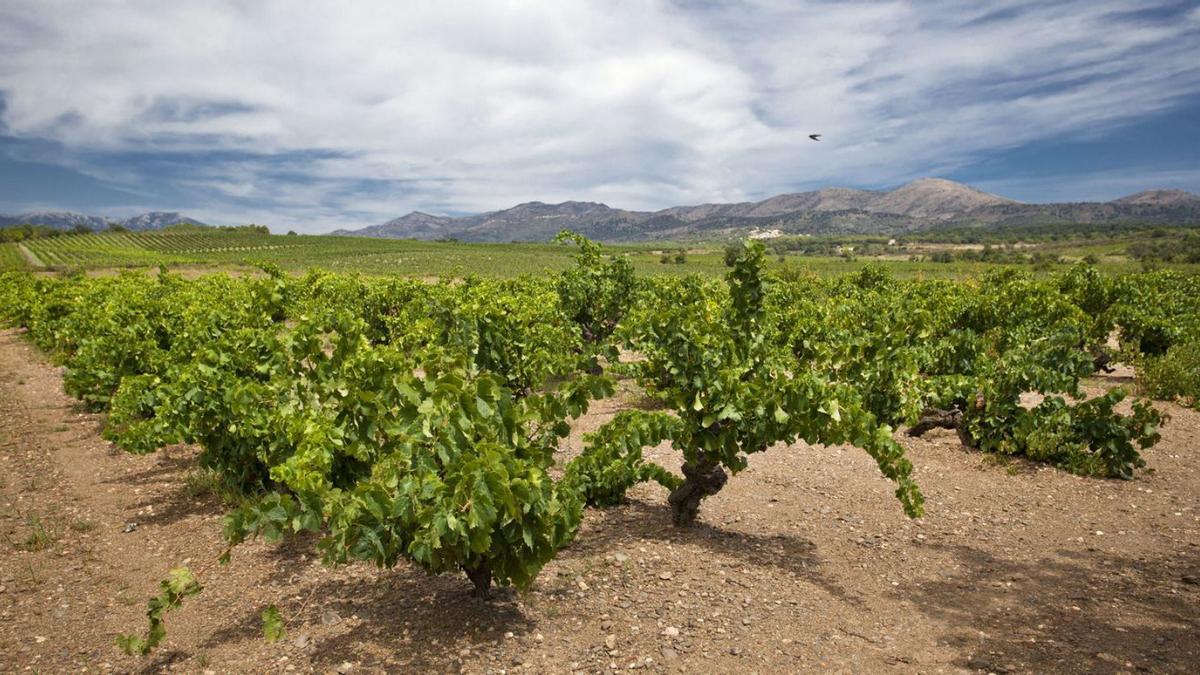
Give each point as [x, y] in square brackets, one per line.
[804, 562]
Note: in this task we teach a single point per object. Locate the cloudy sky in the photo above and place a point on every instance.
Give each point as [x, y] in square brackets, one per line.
[314, 115]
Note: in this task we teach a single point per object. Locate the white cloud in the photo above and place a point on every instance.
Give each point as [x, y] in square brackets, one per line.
[638, 103]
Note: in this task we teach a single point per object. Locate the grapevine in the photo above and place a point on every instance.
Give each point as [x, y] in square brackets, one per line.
[411, 422]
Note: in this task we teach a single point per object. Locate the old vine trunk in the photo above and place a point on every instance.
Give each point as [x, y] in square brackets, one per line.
[703, 478]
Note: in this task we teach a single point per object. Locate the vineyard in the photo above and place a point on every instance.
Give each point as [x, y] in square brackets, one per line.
[244, 249]
[437, 426]
[118, 249]
[11, 258]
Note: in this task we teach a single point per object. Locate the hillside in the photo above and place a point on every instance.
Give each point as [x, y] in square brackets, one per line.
[923, 204]
[415, 225]
[1161, 198]
[67, 220]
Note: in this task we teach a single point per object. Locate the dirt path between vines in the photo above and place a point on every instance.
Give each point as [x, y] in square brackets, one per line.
[30, 256]
[805, 562]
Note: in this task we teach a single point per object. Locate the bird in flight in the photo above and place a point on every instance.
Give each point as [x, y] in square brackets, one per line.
[815, 137]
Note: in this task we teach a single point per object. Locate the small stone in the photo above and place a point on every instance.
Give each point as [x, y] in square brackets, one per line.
[129, 527]
[330, 617]
[538, 637]
[671, 631]
[605, 625]
[302, 641]
[40, 639]
[610, 642]
[746, 622]
[345, 668]
[621, 557]
[735, 650]
[508, 635]
[665, 575]
[669, 654]
[1187, 579]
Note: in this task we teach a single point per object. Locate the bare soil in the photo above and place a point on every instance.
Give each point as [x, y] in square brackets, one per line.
[804, 562]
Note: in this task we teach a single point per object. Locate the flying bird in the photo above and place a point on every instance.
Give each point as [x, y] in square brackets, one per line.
[815, 137]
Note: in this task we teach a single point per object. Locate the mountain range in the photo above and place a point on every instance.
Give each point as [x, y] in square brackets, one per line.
[66, 220]
[923, 204]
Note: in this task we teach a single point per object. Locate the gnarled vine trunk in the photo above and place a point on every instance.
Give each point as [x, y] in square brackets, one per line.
[481, 578]
[936, 418]
[1102, 359]
[703, 478]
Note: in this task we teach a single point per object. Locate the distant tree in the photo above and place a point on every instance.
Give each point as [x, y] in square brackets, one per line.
[291, 233]
[117, 227]
[250, 229]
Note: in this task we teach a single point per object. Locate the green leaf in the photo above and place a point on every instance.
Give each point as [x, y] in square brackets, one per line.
[272, 624]
[482, 406]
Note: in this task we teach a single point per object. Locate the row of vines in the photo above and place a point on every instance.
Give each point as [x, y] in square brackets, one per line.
[410, 421]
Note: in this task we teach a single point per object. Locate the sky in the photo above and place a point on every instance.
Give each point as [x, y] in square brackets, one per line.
[320, 115]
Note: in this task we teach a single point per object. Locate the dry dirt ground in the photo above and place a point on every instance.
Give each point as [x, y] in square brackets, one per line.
[804, 562]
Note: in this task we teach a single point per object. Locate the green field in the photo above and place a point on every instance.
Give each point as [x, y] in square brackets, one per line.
[233, 250]
[295, 253]
[11, 258]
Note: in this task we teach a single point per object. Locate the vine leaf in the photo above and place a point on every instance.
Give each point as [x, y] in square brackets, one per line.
[272, 624]
[171, 591]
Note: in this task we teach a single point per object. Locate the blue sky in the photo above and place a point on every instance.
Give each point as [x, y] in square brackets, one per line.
[332, 114]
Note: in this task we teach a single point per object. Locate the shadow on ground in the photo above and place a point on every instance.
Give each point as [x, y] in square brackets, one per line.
[1071, 612]
[411, 622]
[608, 530]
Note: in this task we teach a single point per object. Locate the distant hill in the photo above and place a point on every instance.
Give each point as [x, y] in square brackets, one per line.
[66, 220]
[923, 204]
[1161, 198]
[935, 199]
[157, 220]
[415, 225]
[59, 220]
